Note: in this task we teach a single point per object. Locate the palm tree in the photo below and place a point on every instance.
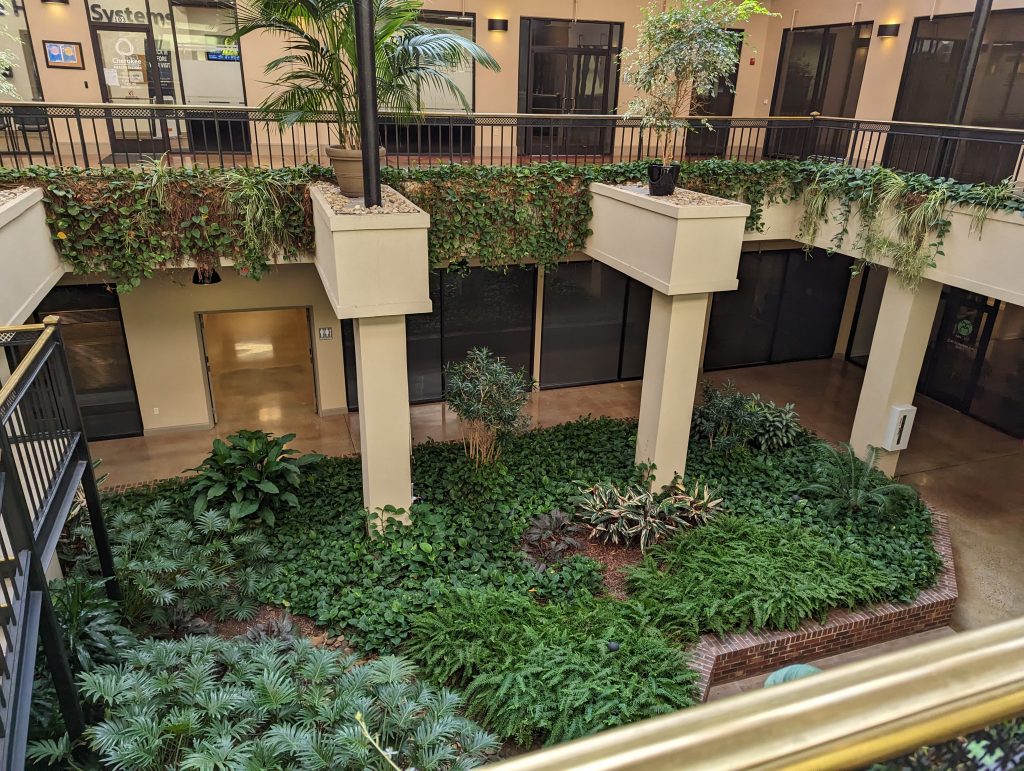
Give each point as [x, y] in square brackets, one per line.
[317, 75]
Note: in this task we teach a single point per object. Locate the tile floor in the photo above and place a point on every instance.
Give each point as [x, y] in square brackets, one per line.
[972, 472]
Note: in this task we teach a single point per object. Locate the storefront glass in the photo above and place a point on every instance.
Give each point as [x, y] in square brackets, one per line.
[20, 80]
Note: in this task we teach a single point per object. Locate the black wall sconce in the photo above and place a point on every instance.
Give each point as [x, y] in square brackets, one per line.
[888, 30]
[205, 278]
[62, 2]
[497, 25]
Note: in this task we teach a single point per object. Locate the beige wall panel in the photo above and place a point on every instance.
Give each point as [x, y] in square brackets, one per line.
[29, 265]
[163, 338]
[66, 23]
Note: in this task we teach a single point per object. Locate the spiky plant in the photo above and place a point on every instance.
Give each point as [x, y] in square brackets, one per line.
[550, 537]
[845, 485]
[317, 75]
[205, 703]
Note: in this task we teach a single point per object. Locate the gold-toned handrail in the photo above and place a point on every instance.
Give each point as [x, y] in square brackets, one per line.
[840, 719]
[46, 330]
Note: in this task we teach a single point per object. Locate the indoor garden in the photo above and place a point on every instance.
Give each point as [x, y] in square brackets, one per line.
[542, 592]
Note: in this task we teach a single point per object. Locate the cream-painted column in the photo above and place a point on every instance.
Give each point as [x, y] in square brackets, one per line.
[675, 336]
[385, 427]
[684, 249]
[376, 271]
[897, 351]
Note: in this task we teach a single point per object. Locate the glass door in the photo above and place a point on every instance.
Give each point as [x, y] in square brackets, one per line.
[129, 76]
[957, 348]
[568, 68]
[820, 70]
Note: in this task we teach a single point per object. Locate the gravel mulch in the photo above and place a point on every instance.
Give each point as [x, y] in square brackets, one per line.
[392, 201]
[683, 197]
[615, 559]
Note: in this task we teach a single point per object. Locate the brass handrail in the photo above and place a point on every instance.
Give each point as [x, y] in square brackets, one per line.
[840, 719]
[47, 329]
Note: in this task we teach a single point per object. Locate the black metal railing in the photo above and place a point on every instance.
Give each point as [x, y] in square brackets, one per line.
[44, 462]
[100, 135]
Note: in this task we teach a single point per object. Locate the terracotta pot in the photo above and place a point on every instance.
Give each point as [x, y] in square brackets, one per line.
[348, 169]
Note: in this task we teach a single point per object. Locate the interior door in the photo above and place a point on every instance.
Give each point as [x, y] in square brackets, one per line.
[129, 75]
[568, 68]
[957, 348]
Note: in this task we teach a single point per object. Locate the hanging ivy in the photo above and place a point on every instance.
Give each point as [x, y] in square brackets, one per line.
[127, 224]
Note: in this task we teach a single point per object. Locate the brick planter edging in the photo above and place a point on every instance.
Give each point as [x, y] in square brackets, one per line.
[736, 656]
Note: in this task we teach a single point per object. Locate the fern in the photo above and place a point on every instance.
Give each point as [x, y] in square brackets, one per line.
[546, 672]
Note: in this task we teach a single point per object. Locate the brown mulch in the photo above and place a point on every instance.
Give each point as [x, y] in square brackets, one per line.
[308, 628]
[615, 559]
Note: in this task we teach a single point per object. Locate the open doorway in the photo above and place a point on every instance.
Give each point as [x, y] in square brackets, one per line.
[260, 368]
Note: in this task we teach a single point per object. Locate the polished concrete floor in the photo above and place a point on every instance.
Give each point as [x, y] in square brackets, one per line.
[962, 467]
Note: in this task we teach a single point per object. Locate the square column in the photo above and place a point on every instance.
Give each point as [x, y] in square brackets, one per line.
[385, 428]
[898, 347]
[672, 364]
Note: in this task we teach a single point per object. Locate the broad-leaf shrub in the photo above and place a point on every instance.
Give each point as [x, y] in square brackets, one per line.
[551, 672]
[488, 396]
[173, 564]
[727, 420]
[253, 474]
[736, 573]
[638, 515]
[205, 703]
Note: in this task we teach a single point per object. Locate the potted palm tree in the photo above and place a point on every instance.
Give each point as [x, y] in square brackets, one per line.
[682, 54]
[316, 77]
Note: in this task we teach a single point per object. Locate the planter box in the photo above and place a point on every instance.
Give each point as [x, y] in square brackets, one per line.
[373, 264]
[674, 248]
[29, 264]
[733, 657]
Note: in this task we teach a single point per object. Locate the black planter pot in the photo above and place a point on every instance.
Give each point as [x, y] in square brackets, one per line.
[662, 179]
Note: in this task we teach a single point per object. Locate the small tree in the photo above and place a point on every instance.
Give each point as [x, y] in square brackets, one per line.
[681, 56]
[488, 396]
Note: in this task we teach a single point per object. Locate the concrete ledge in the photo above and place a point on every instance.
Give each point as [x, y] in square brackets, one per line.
[28, 260]
[720, 660]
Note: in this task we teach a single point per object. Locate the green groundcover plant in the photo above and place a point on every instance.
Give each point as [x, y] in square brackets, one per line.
[208, 703]
[551, 672]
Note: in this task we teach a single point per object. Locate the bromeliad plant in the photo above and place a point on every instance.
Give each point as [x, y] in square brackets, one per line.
[636, 515]
[550, 537]
[488, 396]
[250, 475]
[208, 703]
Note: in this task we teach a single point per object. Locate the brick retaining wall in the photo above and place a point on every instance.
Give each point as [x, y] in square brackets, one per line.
[736, 656]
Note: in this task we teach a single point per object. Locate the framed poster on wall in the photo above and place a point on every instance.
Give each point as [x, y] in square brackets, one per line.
[63, 55]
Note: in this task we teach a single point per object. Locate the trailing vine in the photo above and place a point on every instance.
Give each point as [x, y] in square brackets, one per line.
[127, 224]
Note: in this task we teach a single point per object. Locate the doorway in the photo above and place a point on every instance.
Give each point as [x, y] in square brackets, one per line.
[126, 56]
[568, 68]
[821, 70]
[260, 367]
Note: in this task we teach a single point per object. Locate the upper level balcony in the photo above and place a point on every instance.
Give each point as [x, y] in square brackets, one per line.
[101, 135]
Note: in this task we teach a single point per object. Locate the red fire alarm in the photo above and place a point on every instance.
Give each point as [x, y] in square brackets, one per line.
[752, 62]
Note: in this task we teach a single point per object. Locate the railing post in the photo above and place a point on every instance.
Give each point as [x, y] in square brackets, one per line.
[89, 484]
[81, 136]
[810, 137]
[19, 529]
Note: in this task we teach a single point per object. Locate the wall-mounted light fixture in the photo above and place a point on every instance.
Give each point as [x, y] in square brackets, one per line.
[497, 25]
[888, 30]
[205, 277]
[62, 2]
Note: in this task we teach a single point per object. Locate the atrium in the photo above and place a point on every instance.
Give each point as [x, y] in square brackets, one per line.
[430, 384]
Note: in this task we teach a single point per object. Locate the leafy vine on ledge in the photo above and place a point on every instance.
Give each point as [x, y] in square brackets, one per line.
[127, 224]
